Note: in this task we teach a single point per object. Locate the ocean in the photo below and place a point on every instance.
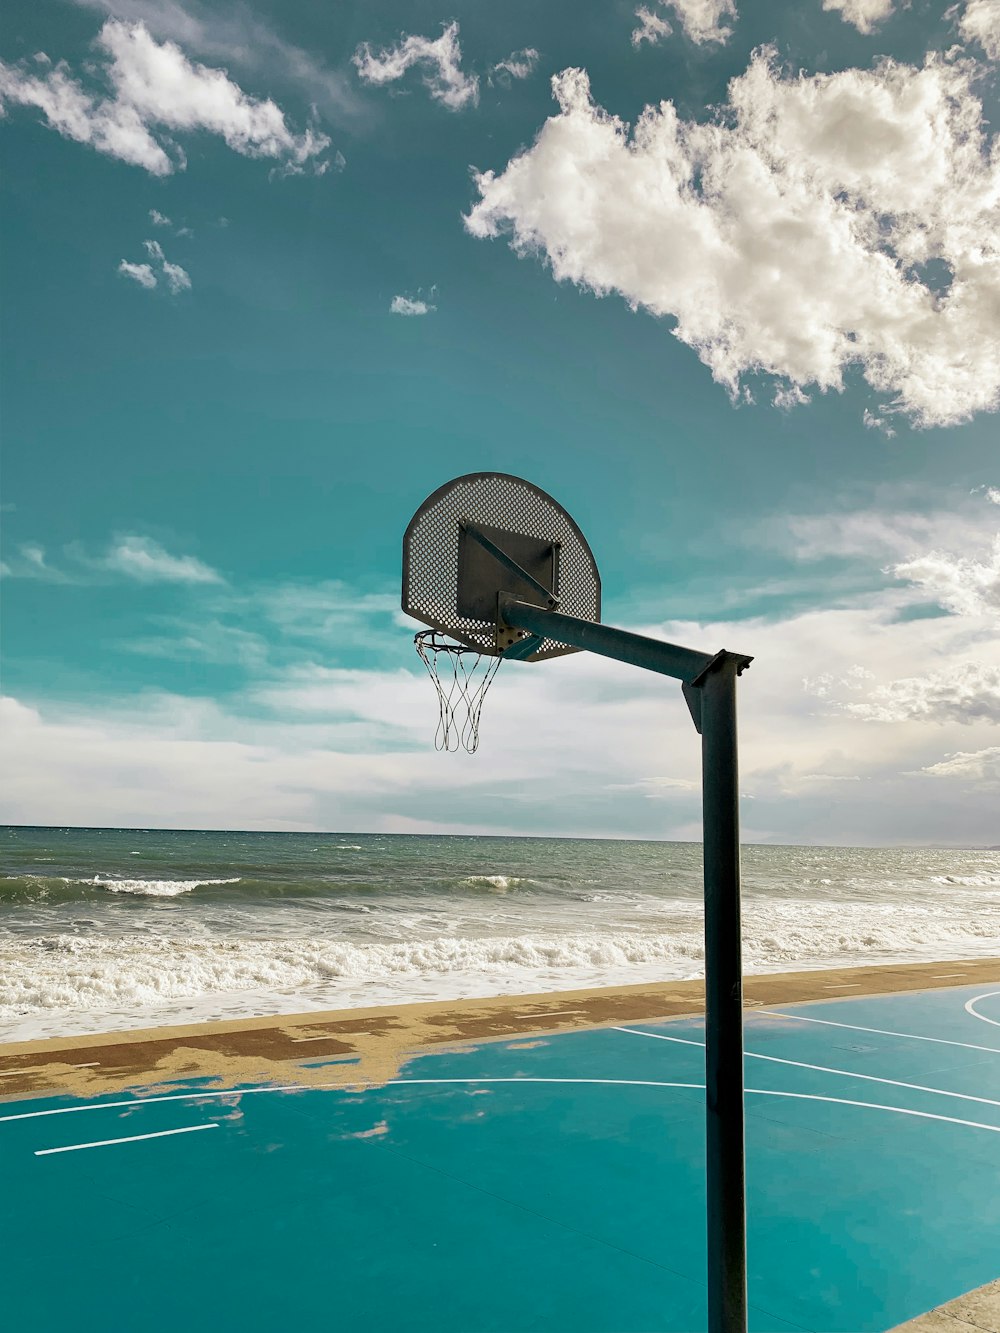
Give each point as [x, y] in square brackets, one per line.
[104, 929]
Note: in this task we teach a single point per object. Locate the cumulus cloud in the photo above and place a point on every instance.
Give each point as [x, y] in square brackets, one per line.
[980, 22]
[959, 583]
[787, 396]
[440, 58]
[968, 692]
[176, 278]
[651, 28]
[154, 88]
[140, 273]
[313, 742]
[866, 15]
[799, 236]
[316, 746]
[233, 34]
[402, 305]
[704, 20]
[518, 65]
[146, 561]
[974, 766]
[872, 421]
[158, 219]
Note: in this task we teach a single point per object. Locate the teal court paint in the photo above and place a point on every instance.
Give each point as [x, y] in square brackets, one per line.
[547, 1183]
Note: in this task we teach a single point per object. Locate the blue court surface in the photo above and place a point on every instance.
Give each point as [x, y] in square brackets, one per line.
[548, 1183]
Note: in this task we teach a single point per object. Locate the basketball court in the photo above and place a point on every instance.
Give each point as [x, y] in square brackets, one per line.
[550, 1169]
[543, 1181]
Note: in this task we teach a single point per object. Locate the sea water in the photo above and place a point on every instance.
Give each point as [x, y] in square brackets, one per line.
[116, 928]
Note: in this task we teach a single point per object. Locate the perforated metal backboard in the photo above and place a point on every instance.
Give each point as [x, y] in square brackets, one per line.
[451, 582]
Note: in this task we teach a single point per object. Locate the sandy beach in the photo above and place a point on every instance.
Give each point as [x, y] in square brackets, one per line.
[371, 1045]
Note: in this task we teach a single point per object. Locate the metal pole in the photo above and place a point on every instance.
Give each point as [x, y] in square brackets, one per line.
[726, 1170]
[709, 684]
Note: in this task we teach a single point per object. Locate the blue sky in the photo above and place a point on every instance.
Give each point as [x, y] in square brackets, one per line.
[271, 274]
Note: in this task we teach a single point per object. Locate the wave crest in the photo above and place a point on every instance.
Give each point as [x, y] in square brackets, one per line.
[493, 883]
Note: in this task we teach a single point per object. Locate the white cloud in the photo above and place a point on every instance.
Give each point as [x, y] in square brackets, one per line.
[312, 167]
[787, 396]
[977, 766]
[790, 238]
[980, 22]
[31, 562]
[966, 692]
[892, 531]
[141, 273]
[947, 557]
[441, 57]
[234, 34]
[158, 219]
[131, 555]
[147, 561]
[960, 583]
[312, 746]
[872, 421]
[702, 20]
[110, 126]
[402, 305]
[308, 744]
[519, 64]
[205, 640]
[155, 88]
[651, 28]
[176, 278]
[866, 15]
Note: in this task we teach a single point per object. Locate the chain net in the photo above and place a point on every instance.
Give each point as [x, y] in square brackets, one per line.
[461, 677]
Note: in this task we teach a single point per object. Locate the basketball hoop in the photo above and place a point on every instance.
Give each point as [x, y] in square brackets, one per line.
[496, 565]
[461, 688]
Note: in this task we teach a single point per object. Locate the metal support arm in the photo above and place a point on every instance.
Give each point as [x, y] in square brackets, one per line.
[685, 664]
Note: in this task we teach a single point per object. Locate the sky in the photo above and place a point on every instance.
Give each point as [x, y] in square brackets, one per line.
[722, 276]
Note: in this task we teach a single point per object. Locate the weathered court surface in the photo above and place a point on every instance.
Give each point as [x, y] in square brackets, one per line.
[508, 1165]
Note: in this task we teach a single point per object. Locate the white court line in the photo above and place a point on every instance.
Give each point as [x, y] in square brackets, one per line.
[169, 1097]
[821, 1069]
[759, 1092]
[842, 985]
[970, 1007]
[883, 1032]
[132, 1138]
[353, 1089]
[943, 976]
[328, 1037]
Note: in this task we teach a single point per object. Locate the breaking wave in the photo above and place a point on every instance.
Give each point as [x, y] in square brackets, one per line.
[494, 883]
[967, 881]
[64, 888]
[63, 971]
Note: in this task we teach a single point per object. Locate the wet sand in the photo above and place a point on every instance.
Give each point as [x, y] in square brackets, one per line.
[373, 1044]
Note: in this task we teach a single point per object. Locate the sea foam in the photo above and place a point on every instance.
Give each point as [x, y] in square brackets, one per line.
[87, 971]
